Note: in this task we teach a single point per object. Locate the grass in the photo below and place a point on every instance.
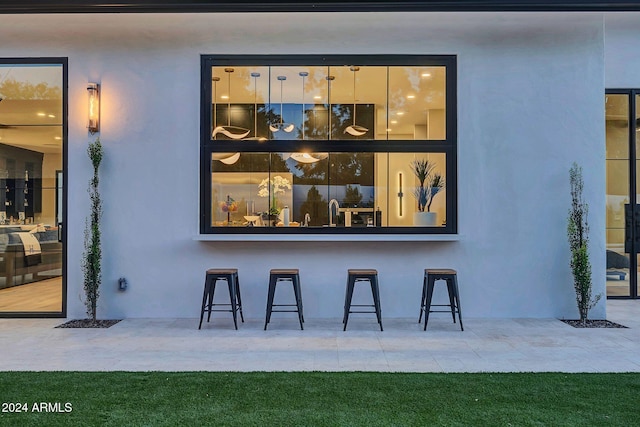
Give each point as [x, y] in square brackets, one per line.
[321, 399]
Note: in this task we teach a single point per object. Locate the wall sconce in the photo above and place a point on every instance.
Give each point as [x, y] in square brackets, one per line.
[94, 107]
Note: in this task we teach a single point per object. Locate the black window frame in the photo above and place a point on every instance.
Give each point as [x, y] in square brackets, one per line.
[448, 146]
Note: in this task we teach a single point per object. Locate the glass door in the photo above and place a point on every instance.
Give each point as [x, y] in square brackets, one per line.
[623, 211]
[32, 130]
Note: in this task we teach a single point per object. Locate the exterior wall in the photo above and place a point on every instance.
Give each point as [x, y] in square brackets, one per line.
[622, 58]
[530, 102]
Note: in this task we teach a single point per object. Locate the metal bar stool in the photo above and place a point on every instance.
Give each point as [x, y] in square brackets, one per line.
[354, 276]
[430, 277]
[284, 275]
[230, 275]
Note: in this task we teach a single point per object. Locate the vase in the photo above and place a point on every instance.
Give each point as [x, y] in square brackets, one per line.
[425, 219]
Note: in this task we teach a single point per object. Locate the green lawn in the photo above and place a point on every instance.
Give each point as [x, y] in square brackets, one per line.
[319, 399]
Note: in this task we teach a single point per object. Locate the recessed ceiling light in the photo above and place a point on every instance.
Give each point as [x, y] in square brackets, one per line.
[52, 116]
[411, 97]
[57, 138]
[400, 113]
[224, 97]
[41, 114]
[426, 74]
[317, 97]
[393, 122]
[388, 129]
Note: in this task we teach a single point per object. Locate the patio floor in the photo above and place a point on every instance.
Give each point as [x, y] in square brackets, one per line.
[486, 345]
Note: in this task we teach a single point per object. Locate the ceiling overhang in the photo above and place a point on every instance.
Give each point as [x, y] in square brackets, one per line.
[207, 6]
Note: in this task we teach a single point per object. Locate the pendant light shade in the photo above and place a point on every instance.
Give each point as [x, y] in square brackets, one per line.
[287, 127]
[308, 157]
[354, 129]
[233, 132]
[226, 158]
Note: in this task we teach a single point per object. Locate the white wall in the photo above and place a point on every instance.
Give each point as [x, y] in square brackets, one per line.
[530, 102]
[622, 56]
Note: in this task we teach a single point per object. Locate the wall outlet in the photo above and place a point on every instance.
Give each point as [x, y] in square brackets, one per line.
[122, 284]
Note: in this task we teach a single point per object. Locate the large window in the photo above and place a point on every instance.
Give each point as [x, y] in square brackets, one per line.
[328, 144]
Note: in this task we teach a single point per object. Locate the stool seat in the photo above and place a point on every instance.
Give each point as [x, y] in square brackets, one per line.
[449, 276]
[439, 271]
[362, 275]
[229, 275]
[357, 272]
[277, 275]
[222, 271]
[285, 271]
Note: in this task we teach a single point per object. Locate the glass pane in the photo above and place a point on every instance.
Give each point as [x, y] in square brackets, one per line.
[240, 96]
[417, 103]
[637, 142]
[416, 190]
[617, 193]
[351, 189]
[293, 103]
[31, 125]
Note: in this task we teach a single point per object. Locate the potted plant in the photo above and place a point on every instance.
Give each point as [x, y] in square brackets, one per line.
[430, 184]
[271, 188]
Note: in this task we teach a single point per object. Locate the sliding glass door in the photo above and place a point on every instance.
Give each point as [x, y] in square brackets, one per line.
[622, 121]
[32, 133]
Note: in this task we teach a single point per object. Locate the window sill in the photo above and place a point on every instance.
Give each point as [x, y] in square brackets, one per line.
[327, 238]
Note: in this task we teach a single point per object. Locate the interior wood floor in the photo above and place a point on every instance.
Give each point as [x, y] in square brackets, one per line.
[41, 296]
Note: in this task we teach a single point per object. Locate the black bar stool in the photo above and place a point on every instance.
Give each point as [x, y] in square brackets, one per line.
[430, 277]
[284, 275]
[230, 275]
[354, 276]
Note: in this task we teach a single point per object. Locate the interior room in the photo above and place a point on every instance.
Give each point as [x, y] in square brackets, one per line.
[31, 131]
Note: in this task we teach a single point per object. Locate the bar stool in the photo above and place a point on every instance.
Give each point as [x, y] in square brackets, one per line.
[230, 275]
[284, 275]
[430, 278]
[354, 276]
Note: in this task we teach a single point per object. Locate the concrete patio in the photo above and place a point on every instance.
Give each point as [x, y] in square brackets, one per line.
[495, 345]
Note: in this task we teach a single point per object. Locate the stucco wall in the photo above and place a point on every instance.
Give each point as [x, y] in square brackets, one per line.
[530, 102]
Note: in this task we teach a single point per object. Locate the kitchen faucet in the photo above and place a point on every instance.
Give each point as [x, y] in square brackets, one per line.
[307, 219]
[333, 202]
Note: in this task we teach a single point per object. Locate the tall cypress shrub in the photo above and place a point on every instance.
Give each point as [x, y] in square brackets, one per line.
[92, 259]
[578, 235]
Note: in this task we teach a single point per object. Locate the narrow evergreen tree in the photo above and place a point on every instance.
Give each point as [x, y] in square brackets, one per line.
[91, 264]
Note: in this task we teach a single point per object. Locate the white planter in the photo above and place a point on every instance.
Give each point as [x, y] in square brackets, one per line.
[425, 219]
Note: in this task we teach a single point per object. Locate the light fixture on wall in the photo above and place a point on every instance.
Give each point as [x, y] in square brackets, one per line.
[233, 132]
[94, 107]
[255, 136]
[354, 129]
[287, 127]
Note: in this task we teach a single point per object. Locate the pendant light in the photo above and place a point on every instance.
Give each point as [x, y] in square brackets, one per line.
[354, 129]
[303, 157]
[255, 136]
[329, 80]
[303, 74]
[287, 127]
[226, 158]
[215, 80]
[233, 132]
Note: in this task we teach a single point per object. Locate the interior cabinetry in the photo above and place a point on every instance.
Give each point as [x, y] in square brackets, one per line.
[21, 183]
